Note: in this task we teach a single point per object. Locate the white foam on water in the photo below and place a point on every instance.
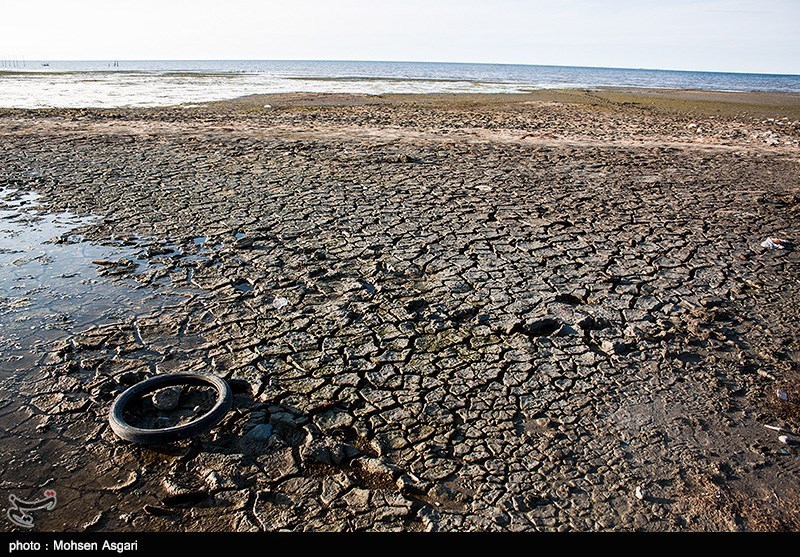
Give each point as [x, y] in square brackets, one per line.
[165, 83]
[120, 89]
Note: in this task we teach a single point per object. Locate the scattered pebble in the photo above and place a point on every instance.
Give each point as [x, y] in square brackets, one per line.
[783, 395]
[785, 439]
[279, 303]
[766, 374]
[639, 493]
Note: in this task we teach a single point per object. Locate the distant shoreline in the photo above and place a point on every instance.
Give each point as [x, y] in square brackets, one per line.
[114, 63]
[776, 98]
[700, 102]
[144, 84]
[704, 102]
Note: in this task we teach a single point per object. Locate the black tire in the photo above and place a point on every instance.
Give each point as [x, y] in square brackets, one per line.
[116, 416]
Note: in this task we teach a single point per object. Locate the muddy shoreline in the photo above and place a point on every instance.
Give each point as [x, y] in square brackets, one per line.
[502, 312]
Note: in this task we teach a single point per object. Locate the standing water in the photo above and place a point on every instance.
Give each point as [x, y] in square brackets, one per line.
[160, 83]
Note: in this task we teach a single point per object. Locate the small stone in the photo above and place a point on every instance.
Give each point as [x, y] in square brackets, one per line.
[282, 418]
[542, 327]
[615, 347]
[326, 451]
[378, 467]
[430, 518]
[783, 395]
[784, 439]
[260, 433]
[279, 303]
[244, 242]
[766, 374]
[167, 398]
[258, 440]
[544, 423]
[639, 493]
[404, 483]
[239, 386]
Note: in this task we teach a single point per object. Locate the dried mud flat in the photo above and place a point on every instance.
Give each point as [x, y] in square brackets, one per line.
[541, 312]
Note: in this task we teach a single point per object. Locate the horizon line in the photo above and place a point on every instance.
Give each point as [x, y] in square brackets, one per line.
[393, 62]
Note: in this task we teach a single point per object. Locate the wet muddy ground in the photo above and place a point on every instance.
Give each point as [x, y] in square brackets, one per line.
[516, 315]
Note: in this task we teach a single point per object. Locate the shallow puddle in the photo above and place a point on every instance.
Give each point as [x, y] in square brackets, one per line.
[53, 283]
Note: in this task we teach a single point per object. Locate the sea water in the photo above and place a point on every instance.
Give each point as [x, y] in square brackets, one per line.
[38, 84]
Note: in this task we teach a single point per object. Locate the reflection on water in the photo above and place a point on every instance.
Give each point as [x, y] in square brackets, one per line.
[53, 283]
[61, 295]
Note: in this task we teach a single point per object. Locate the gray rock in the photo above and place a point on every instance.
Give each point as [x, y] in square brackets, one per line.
[261, 432]
[167, 398]
[282, 418]
[258, 439]
[615, 347]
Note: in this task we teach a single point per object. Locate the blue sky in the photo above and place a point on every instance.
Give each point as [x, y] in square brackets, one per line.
[717, 35]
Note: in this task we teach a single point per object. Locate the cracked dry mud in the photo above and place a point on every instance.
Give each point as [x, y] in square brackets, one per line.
[516, 315]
